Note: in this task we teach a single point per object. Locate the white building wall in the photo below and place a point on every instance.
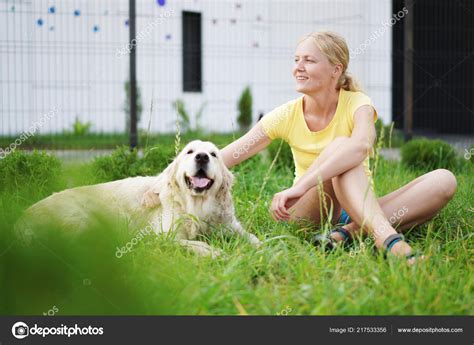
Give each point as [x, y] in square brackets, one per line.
[64, 64]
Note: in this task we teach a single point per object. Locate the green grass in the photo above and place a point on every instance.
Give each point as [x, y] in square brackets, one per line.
[81, 274]
[69, 141]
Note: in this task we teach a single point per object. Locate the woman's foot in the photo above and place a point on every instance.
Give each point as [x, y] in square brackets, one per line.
[336, 237]
[402, 249]
[345, 235]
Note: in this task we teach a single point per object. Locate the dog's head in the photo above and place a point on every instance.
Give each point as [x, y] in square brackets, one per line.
[200, 170]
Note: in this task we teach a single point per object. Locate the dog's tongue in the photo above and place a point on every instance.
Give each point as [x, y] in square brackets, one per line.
[199, 182]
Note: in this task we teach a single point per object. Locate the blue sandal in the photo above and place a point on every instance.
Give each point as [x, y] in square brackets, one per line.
[391, 240]
[328, 243]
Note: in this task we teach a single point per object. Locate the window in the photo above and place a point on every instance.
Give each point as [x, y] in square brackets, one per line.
[192, 53]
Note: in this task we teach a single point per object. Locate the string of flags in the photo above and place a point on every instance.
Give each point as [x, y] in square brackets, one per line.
[40, 22]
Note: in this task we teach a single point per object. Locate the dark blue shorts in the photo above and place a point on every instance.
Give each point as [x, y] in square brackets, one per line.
[344, 218]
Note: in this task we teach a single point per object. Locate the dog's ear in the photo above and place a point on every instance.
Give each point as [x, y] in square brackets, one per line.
[227, 182]
[170, 173]
[151, 199]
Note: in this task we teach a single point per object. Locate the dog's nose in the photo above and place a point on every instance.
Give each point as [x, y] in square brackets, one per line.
[201, 158]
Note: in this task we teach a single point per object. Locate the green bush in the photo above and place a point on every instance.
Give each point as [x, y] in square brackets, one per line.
[81, 128]
[425, 155]
[126, 105]
[470, 154]
[123, 163]
[38, 173]
[245, 110]
[184, 117]
[285, 158]
[156, 159]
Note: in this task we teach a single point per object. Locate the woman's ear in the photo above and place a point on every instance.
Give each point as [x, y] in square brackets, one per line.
[338, 70]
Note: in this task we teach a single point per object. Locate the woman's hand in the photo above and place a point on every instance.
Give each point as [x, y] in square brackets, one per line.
[278, 208]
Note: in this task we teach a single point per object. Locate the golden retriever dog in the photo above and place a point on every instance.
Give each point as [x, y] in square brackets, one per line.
[190, 197]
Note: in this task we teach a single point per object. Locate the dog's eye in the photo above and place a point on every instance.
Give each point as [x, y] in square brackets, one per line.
[213, 154]
[190, 151]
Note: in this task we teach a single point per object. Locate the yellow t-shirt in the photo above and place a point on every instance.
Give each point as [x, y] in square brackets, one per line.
[287, 122]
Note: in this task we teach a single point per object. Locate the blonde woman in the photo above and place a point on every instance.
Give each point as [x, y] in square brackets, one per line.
[331, 131]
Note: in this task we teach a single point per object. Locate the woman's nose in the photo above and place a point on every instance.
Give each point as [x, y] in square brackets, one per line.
[299, 66]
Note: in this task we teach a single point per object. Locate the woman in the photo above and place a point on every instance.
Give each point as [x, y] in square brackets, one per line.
[331, 131]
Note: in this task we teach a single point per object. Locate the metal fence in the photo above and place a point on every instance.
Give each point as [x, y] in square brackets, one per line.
[441, 61]
[70, 59]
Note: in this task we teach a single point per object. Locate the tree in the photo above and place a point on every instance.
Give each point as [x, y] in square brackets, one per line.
[245, 110]
[126, 106]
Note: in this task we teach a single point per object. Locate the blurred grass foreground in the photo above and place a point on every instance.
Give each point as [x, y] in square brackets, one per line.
[114, 269]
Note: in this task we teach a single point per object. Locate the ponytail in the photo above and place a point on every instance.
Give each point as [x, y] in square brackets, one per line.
[348, 82]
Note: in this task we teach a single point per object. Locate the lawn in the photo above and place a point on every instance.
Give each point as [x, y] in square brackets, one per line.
[71, 141]
[81, 275]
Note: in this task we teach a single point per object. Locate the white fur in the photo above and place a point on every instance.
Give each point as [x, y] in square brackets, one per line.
[164, 201]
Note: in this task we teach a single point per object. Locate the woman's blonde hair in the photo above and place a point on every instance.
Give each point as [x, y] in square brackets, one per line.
[334, 47]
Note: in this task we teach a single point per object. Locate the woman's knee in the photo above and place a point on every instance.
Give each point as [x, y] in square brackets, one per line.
[358, 169]
[446, 182]
[311, 203]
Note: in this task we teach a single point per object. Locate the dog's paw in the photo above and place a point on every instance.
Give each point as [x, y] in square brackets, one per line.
[206, 250]
[151, 199]
[254, 241]
[215, 253]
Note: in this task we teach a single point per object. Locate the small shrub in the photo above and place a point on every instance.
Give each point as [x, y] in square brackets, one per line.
[245, 110]
[184, 117]
[123, 163]
[126, 105]
[81, 128]
[156, 159]
[285, 158]
[37, 173]
[425, 155]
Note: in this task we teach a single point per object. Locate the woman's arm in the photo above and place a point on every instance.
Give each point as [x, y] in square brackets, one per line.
[345, 153]
[246, 146]
[339, 156]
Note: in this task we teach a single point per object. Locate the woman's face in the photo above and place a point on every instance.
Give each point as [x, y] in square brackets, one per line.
[312, 70]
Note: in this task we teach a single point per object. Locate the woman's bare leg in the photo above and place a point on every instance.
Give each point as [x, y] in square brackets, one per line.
[353, 192]
[416, 202]
[310, 205]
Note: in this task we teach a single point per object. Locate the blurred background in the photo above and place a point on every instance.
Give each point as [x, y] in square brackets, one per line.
[66, 65]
